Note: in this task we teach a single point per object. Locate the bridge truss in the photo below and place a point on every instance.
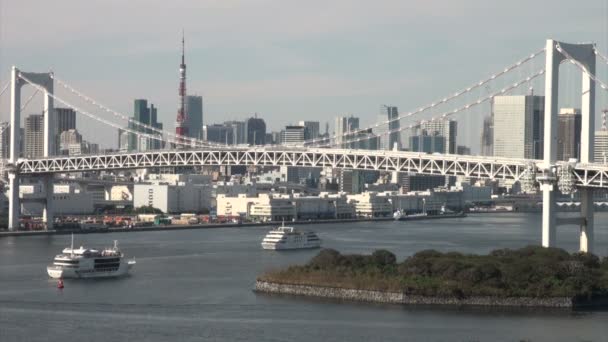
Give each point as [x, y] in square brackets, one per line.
[584, 175]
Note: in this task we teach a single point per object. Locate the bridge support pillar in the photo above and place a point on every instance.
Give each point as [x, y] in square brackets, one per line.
[14, 205]
[549, 215]
[586, 234]
[47, 213]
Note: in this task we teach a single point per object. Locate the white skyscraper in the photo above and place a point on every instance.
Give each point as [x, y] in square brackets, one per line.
[344, 125]
[519, 126]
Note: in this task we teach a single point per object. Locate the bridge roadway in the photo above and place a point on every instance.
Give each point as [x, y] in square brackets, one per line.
[583, 175]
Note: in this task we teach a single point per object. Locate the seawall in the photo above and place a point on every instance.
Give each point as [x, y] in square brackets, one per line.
[402, 298]
[213, 226]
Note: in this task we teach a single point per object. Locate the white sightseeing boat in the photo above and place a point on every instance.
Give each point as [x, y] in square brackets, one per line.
[89, 263]
[290, 238]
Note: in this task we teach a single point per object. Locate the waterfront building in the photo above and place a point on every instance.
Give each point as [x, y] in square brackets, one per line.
[68, 199]
[293, 135]
[194, 115]
[389, 115]
[417, 182]
[369, 204]
[256, 131]
[278, 207]
[172, 198]
[569, 133]
[445, 128]
[34, 136]
[519, 126]
[344, 127]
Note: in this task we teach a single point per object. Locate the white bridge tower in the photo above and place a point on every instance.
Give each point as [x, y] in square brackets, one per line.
[556, 53]
[44, 80]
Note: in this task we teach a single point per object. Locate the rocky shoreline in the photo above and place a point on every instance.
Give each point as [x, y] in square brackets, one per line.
[402, 298]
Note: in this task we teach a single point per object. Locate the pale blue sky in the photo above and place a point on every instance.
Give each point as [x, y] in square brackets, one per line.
[286, 60]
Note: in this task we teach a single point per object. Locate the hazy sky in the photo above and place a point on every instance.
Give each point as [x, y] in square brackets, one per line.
[286, 60]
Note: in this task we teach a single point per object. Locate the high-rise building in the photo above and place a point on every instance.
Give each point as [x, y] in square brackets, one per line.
[519, 126]
[34, 136]
[601, 146]
[487, 136]
[147, 116]
[569, 133]
[256, 131]
[389, 133]
[240, 131]
[66, 119]
[427, 143]
[68, 138]
[293, 135]
[194, 115]
[344, 128]
[351, 181]
[312, 129]
[446, 128]
[220, 134]
[363, 140]
[5, 134]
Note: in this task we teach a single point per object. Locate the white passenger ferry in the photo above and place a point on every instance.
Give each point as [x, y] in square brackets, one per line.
[89, 263]
[290, 238]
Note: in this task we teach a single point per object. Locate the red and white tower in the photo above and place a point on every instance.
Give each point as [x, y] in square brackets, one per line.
[181, 125]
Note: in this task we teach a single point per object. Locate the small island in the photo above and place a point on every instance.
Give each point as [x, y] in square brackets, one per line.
[528, 277]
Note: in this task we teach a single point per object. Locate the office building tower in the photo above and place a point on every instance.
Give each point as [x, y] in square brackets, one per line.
[487, 136]
[256, 131]
[344, 128]
[569, 133]
[5, 134]
[67, 138]
[311, 130]
[351, 181]
[388, 131]
[519, 126]
[427, 143]
[194, 115]
[363, 140]
[147, 116]
[34, 136]
[66, 119]
[240, 131]
[446, 128]
[293, 135]
[220, 134]
[601, 146]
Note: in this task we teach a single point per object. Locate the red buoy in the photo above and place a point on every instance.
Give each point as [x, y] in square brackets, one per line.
[60, 284]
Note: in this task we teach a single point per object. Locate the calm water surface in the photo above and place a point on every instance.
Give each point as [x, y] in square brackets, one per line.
[195, 285]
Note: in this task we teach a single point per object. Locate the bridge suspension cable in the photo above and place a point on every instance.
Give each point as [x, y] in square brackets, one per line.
[582, 67]
[449, 113]
[447, 99]
[131, 120]
[4, 88]
[107, 122]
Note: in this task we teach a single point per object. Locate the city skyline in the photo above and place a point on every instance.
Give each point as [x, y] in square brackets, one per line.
[310, 69]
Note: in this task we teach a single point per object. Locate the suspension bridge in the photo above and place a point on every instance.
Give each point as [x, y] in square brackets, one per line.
[548, 175]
